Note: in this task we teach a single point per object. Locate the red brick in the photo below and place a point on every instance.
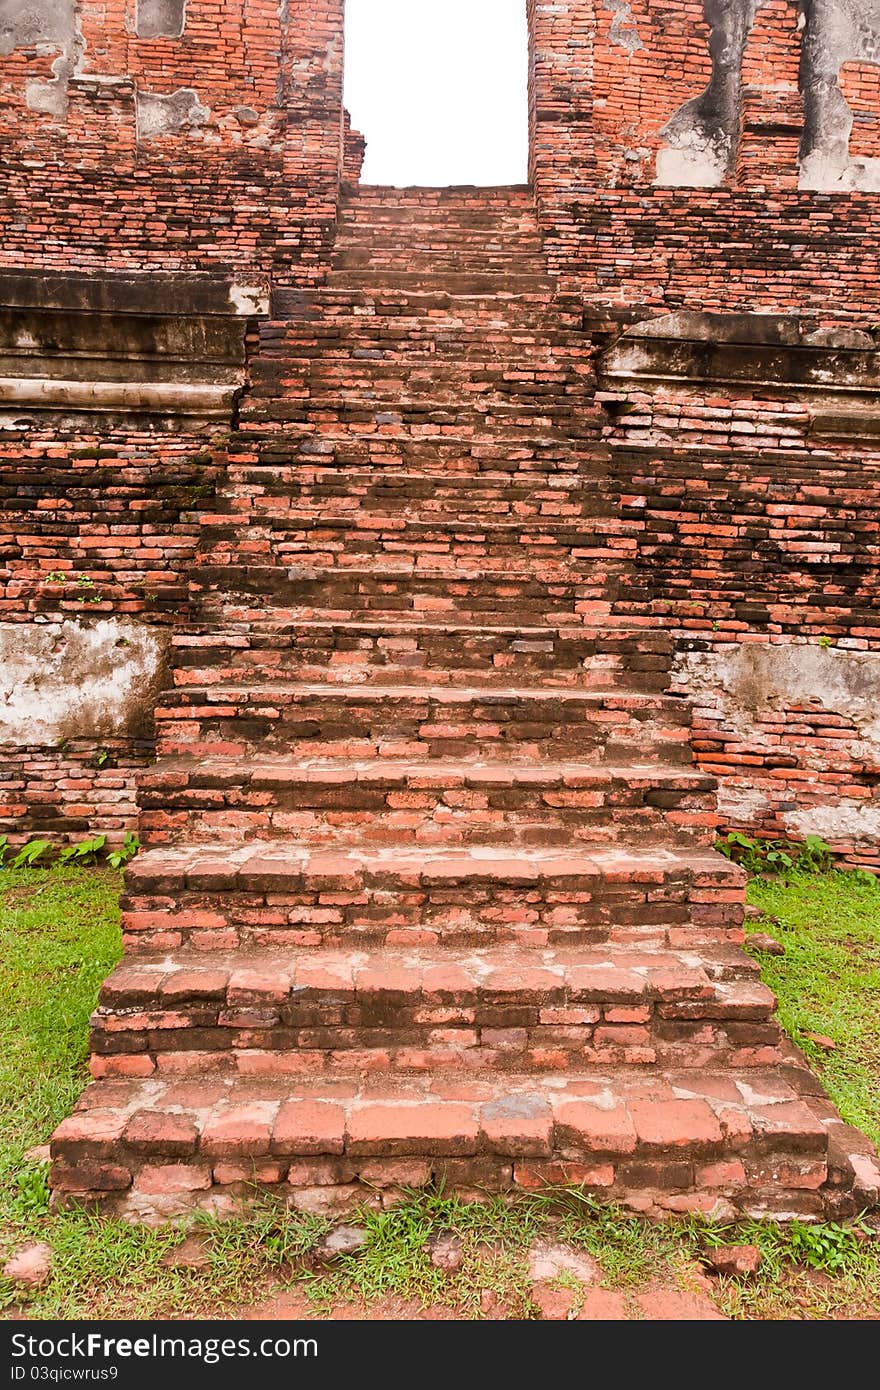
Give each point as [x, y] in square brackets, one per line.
[309, 1127]
[675, 1124]
[168, 1179]
[168, 1135]
[239, 1131]
[429, 1128]
[593, 1128]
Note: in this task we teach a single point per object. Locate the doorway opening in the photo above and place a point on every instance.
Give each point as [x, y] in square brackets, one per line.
[439, 89]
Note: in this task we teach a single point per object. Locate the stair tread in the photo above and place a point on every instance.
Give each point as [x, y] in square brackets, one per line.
[616, 698]
[524, 864]
[479, 771]
[621, 1112]
[619, 973]
[420, 624]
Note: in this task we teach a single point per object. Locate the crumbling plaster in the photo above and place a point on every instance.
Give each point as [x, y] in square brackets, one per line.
[160, 19]
[55, 25]
[67, 680]
[742, 684]
[702, 137]
[835, 32]
[159, 115]
[703, 134]
[26, 23]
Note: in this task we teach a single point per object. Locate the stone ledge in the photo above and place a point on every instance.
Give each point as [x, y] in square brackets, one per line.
[168, 348]
[154, 294]
[780, 353]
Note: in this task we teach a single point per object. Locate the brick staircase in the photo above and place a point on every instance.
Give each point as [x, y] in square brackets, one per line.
[428, 891]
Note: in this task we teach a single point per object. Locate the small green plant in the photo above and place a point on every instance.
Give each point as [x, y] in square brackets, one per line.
[827, 1246]
[825, 642]
[124, 853]
[815, 856]
[86, 852]
[56, 577]
[104, 758]
[758, 856]
[33, 1191]
[31, 854]
[87, 591]
[755, 856]
[4, 848]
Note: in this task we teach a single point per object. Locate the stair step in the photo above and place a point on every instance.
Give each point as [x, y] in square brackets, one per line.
[383, 300]
[391, 652]
[413, 410]
[384, 800]
[491, 549]
[423, 721]
[678, 1142]
[499, 284]
[421, 1008]
[433, 256]
[279, 893]
[420, 342]
[318, 521]
[304, 465]
[462, 593]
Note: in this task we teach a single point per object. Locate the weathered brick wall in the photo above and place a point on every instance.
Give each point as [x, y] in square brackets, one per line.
[204, 135]
[97, 534]
[137, 136]
[99, 524]
[663, 183]
[757, 545]
[754, 540]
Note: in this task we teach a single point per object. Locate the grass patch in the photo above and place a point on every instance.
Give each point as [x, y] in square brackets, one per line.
[828, 981]
[59, 937]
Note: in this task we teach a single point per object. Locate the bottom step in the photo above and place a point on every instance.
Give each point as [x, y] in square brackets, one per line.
[719, 1143]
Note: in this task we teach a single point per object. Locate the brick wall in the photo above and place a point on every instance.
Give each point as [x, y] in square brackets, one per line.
[757, 545]
[99, 528]
[215, 142]
[754, 540]
[217, 150]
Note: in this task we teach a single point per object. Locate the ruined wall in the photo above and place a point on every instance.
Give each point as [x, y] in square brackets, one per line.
[139, 139]
[716, 155]
[722, 156]
[112, 395]
[177, 134]
[746, 454]
[97, 532]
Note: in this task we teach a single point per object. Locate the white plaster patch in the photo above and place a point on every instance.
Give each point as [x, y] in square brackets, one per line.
[846, 820]
[62, 680]
[743, 680]
[740, 803]
[697, 164]
[161, 114]
[251, 301]
[623, 27]
[822, 173]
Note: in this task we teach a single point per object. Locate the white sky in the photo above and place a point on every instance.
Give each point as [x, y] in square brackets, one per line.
[438, 88]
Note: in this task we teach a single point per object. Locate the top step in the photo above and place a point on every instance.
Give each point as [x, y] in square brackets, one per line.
[506, 212]
[472, 196]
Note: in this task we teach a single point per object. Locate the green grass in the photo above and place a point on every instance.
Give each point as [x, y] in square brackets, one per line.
[828, 981]
[59, 937]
